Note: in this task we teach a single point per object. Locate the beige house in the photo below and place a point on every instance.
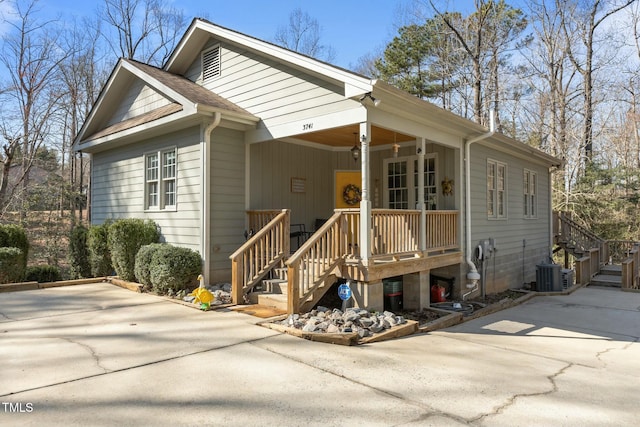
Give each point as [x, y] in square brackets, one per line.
[274, 164]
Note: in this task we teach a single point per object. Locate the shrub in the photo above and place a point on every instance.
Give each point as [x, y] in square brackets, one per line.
[43, 273]
[143, 263]
[9, 258]
[126, 237]
[98, 247]
[78, 256]
[174, 268]
[14, 236]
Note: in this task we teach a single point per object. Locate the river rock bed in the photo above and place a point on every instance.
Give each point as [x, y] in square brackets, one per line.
[325, 320]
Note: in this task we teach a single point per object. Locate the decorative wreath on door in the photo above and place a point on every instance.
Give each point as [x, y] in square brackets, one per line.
[351, 194]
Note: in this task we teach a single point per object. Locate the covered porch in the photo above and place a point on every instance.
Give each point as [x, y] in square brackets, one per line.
[400, 246]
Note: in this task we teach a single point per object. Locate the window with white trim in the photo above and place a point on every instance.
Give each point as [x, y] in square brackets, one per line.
[496, 189]
[530, 191]
[161, 179]
[211, 63]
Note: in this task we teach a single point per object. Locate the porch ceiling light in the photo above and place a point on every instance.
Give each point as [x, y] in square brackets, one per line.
[355, 151]
[375, 101]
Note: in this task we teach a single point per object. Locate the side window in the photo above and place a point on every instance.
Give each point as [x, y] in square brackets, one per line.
[161, 179]
[496, 189]
[530, 192]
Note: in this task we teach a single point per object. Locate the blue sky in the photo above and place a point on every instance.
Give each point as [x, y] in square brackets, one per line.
[352, 27]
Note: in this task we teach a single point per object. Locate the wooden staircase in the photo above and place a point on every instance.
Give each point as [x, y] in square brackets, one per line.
[612, 263]
[275, 291]
[609, 275]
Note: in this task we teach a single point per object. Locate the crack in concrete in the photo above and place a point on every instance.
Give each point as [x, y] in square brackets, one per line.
[510, 401]
[91, 350]
[5, 316]
[128, 368]
[431, 411]
[72, 313]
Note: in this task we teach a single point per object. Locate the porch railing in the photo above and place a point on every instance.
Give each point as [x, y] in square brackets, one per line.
[268, 246]
[394, 233]
[316, 259]
[398, 231]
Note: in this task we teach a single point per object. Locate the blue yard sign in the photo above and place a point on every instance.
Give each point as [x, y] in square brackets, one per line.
[344, 291]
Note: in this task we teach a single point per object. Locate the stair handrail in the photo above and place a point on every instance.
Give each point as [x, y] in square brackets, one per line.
[578, 235]
[259, 254]
[314, 261]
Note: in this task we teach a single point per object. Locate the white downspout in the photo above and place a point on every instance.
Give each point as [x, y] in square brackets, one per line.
[473, 274]
[205, 200]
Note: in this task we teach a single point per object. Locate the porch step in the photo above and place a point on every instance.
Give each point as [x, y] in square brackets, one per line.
[278, 301]
[275, 286]
[280, 273]
[611, 270]
[606, 280]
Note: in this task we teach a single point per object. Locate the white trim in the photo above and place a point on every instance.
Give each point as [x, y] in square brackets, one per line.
[496, 215]
[532, 205]
[354, 84]
[161, 206]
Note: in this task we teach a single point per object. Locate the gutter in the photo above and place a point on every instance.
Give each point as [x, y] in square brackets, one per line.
[473, 276]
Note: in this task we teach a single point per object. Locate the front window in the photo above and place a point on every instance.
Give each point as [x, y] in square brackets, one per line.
[161, 187]
[496, 189]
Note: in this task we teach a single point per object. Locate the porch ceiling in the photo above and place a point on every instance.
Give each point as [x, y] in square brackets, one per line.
[344, 136]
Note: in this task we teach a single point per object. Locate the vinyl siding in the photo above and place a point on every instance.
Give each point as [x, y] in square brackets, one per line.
[270, 90]
[227, 199]
[506, 269]
[117, 181]
[139, 99]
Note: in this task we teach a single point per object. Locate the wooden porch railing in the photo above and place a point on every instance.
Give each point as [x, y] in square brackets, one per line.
[259, 219]
[268, 246]
[316, 259]
[574, 234]
[631, 269]
[394, 233]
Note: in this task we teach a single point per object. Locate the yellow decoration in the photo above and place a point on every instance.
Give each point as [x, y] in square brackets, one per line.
[347, 189]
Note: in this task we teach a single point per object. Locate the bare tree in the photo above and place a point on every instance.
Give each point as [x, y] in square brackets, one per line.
[303, 35]
[582, 19]
[146, 30]
[31, 57]
[82, 76]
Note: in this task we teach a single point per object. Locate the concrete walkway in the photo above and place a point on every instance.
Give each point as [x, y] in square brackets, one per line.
[101, 355]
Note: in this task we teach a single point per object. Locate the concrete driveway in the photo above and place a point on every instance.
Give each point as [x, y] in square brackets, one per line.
[101, 355]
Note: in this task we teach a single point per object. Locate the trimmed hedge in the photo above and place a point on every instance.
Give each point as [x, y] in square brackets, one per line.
[78, 256]
[43, 274]
[126, 237]
[142, 268]
[9, 259]
[98, 247]
[174, 268]
[14, 236]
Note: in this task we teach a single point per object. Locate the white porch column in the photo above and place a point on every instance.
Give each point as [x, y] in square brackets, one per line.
[420, 150]
[365, 203]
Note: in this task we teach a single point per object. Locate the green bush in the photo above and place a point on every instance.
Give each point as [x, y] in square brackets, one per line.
[78, 256]
[174, 268]
[9, 259]
[14, 236]
[98, 247]
[126, 237]
[143, 263]
[43, 273]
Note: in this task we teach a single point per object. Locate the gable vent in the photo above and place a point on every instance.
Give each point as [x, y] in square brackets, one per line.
[211, 63]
